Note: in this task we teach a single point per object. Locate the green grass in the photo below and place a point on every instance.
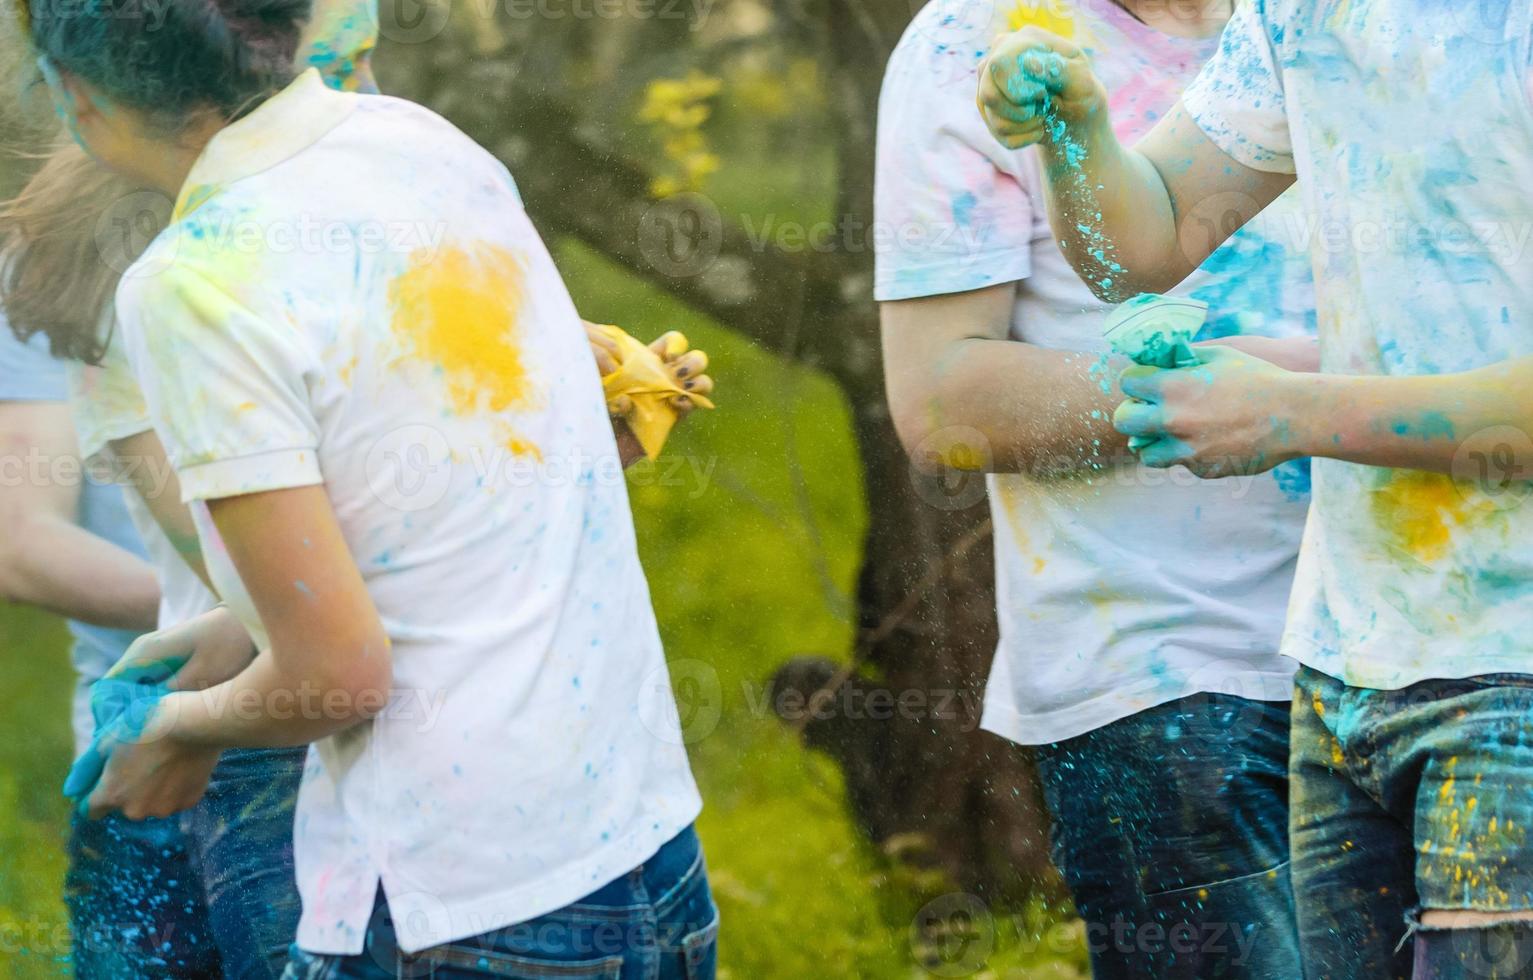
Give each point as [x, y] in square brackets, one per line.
[750, 534]
[34, 753]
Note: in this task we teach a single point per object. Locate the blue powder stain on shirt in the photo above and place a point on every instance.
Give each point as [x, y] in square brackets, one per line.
[1294, 479]
[963, 208]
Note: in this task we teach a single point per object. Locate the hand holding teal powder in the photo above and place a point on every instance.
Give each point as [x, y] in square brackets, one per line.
[122, 704]
[1035, 87]
[1156, 331]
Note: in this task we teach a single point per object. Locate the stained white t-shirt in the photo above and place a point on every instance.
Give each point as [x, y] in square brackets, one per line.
[1122, 589]
[1410, 127]
[350, 294]
[108, 405]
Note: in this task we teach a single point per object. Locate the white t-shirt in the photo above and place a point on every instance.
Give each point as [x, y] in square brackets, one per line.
[1410, 127]
[351, 294]
[108, 405]
[1117, 590]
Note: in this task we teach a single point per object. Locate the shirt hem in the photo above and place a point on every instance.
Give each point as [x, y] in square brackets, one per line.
[1044, 728]
[953, 277]
[96, 442]
[465, 920]
[281, 469]
[1373, 676]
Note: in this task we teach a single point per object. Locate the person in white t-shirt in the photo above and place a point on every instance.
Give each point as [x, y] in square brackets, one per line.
[1140, 612]
[1408, 127]
[405, 484]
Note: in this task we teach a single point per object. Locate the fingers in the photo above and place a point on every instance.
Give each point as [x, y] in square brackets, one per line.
[1140, 420]
[604, 347]
[620, 406]
[606, 361]
[688, 365]
[1165, 453]
[1026, 73]
[670, 345]
[151, 666]
[86, 771]
[1142, 383]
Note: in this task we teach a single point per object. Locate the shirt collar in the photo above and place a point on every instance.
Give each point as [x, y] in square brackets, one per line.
[279, 128]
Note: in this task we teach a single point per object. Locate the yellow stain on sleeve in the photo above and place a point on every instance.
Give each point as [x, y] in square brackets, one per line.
[1051, 15]
[460, 310]
[1418, 511]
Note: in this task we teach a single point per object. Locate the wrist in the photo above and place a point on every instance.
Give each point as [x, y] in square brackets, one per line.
[178, 719]
[1307, 410]
[1084, 126]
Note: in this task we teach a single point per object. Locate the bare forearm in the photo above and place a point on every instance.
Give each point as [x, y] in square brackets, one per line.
[1112, 215]
[55, 565]
[1476, 425]
[1033, 410]
[266, 706]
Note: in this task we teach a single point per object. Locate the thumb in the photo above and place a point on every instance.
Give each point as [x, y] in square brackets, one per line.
[87, 769]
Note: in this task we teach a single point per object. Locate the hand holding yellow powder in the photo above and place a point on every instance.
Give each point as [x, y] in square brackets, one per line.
[647, 385]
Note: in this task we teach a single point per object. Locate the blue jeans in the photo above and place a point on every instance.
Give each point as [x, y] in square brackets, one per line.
[208, 895]
[1171, 830]
[240, 838]
[1410, 799]
[657, 922]
[135, 902]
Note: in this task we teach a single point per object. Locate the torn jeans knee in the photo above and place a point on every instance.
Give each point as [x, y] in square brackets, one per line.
[1492, 951]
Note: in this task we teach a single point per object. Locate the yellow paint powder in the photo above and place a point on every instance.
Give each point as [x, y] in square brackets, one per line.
[459, 307]
[1417, 512]
[1051, 15]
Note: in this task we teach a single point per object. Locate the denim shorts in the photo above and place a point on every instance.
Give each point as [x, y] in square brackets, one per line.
[657, 922]
[1418, 798]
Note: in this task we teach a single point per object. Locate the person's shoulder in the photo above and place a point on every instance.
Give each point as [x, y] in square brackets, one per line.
[945, 43]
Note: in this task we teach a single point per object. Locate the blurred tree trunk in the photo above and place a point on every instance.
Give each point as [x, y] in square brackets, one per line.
[923, 781]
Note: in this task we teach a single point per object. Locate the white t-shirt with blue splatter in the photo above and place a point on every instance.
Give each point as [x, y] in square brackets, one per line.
[1124, 589]
[1410, 126]
[350, 294]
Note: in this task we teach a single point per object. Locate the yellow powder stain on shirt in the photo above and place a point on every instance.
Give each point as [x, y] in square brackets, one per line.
[460, 307]
[1417, 512]
[1051, 15]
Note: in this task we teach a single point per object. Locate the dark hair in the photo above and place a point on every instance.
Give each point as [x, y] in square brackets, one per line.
[174, 58]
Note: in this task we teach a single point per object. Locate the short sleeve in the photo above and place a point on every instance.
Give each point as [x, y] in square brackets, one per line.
[1237, 99]
[952, 209]
[227, 385]
[107, 401]
[28, 372]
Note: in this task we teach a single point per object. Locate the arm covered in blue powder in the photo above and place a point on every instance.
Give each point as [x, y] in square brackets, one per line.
[965, 395]
[1129, 219]
[1235, 413]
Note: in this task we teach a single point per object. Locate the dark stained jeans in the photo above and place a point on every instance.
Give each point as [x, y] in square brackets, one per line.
[1171, 829]
[209, 895]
